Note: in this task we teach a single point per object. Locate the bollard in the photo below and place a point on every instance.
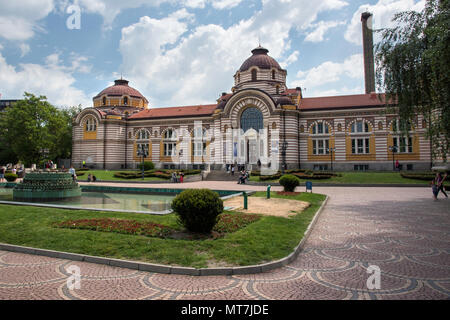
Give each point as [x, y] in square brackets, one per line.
[268, 191]
[245, 200]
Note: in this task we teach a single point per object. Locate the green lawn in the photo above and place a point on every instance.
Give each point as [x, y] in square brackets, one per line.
[268, 239]
[362, 178]
[107, 175]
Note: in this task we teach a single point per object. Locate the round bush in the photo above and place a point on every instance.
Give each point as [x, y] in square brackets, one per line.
[198, 210]
[11, 177]
[289, 182]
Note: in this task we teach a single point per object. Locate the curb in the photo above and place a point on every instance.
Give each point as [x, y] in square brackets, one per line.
[369, 185]
[157, 268]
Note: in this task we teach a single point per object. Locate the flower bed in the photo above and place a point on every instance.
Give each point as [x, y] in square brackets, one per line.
[133, 227]
[227, 223]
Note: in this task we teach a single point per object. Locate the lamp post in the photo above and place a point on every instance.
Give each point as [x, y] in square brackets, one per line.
[393, 149]
[143, 152]
[331, 150]
[284, 146]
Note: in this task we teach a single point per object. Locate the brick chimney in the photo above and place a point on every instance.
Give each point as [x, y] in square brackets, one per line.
[369, 62]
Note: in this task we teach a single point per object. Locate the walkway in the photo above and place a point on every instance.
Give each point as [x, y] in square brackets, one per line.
[401, 230]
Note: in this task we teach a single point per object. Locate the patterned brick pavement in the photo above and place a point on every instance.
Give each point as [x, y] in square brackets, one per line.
[401, 230]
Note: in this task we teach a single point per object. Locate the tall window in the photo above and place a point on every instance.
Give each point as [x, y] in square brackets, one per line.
[170, 144]
[254, 77]
[403, 144]
[273, 74]
[252, 118]
[320, 144]
[361, 146]
[91, 125]
[104, 101]
[199, 143]
[125, 100]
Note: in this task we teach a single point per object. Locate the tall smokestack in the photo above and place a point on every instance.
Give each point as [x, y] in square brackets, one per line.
[369, 62]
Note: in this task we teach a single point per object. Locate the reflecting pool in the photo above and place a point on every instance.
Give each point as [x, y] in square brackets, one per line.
[146, 203]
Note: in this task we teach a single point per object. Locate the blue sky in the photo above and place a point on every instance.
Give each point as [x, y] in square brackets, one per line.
[181, 52]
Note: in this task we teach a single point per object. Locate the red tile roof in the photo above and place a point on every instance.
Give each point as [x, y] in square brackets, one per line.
[200, 110]
[338, 102]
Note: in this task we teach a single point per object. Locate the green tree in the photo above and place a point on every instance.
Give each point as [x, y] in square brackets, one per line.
[413, 68]
[34, 129]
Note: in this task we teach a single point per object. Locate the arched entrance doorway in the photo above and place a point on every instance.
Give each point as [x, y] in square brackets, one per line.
[252, 126]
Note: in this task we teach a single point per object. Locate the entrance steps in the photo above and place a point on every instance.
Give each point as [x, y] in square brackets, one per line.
[221, 175]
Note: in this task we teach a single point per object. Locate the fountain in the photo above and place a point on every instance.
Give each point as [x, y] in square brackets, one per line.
[46, 186]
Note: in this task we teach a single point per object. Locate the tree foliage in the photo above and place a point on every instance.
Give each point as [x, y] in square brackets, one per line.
[33, 129]
[413, 61]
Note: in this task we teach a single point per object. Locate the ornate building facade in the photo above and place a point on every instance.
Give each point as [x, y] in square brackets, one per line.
[261, 122]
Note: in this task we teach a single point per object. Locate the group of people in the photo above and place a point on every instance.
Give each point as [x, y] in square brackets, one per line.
[438, 185]
[244, 175]
[8, 168]
[177, 177]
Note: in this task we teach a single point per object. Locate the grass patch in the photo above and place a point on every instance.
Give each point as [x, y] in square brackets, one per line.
[266, 239]
[360, 178]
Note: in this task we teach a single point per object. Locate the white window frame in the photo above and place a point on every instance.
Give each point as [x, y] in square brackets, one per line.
[407, 147]
[365, 147]
[321, 145]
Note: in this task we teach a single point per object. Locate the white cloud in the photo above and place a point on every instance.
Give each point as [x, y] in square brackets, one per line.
[331, 72]
[225, 4]
[178, 66]
[52, 79]
[24, 49]
[290, 60]
[383, 12]
[320, 29]
[20, 19]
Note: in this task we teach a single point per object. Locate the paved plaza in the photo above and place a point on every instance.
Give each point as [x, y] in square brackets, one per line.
[402, 231]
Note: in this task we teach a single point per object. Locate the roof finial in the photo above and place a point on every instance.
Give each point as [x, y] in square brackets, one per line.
[259, 40]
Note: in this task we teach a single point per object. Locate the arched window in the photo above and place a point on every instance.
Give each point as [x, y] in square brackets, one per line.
[252, 118]
[254, 75]
[143, 135]
[239, 77]
[359, 127]
[273, 74]
[125, 100]
[91, 125]
[104, 101]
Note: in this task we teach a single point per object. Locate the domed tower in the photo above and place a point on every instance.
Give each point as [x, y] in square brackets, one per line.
[261, 71]
[121, 98]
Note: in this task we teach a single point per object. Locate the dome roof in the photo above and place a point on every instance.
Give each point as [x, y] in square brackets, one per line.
[121, 88]
[260, 59]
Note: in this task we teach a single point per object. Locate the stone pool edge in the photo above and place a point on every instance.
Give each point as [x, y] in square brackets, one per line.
[158, 268]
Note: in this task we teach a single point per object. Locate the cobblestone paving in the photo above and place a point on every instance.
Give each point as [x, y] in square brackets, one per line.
[401, 230]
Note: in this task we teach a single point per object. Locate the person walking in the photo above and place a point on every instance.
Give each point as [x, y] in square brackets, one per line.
[440, 185]
[181, 177]
[73, 173]
[232, 169]
[2, 173]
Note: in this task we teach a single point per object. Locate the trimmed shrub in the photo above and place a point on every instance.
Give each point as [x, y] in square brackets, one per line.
[11, 177]
[198, 210]
[289, 182]
[271, 177]
[419, 176]
[148, 165]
